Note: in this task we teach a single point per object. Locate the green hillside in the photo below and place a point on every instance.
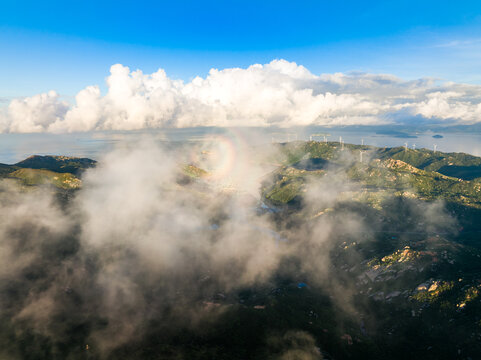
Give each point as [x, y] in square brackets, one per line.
[415, 173]
[6, 169]
[60, 164]
[60, 171]
[460, 165]
[31, 177]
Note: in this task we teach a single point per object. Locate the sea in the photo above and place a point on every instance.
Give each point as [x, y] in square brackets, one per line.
[16, 147]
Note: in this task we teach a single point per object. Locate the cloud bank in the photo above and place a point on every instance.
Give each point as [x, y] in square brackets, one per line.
[279, 93]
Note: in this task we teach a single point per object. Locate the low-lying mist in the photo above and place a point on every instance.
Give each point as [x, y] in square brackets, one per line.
[144, 253]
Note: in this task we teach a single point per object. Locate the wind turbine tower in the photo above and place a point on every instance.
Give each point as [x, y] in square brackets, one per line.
[360, 154]
[435, 147]
[405, 146]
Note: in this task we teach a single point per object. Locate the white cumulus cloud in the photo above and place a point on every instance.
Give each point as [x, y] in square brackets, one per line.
[279, 93]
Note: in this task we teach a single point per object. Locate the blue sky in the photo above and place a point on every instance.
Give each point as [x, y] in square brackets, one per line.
[67, 45]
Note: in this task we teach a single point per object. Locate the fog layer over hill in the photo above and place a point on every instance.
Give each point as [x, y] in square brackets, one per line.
[144, 253]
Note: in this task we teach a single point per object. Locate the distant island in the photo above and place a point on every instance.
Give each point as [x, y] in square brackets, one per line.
[437, 136]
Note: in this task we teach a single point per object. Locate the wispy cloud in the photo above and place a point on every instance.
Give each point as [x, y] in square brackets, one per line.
[459, 43]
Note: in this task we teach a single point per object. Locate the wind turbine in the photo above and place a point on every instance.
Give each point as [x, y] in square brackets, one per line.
[360, 154]
[435, 147]
[325, 138]
[362, 142]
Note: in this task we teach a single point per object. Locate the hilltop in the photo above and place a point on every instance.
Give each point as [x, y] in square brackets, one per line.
[60, 164]
[62, 172]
